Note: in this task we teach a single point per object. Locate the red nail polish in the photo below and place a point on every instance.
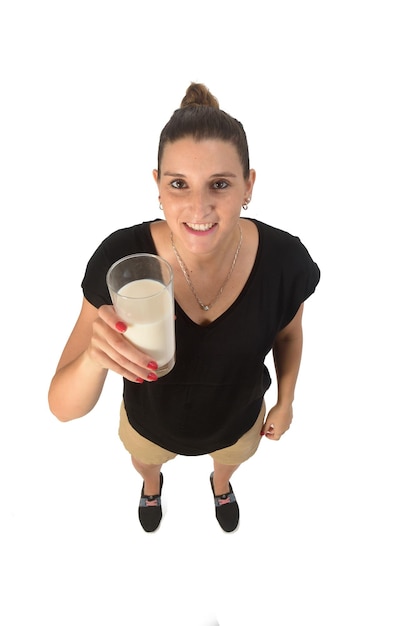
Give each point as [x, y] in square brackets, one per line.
[121, 327]
[152, 365]
[139, 380]
[152, 376]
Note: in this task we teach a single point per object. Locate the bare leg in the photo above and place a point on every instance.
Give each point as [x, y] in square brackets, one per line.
[150, 475]
[221, 477]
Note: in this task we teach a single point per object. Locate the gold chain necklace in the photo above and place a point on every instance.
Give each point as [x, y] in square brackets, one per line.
[206, 307]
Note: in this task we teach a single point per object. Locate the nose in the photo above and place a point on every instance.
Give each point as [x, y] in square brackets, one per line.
[201, 204]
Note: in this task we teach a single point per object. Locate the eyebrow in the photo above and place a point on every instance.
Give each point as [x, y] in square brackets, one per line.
[218, 175]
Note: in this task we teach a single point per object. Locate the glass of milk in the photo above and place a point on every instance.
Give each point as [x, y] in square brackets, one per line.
[142, 292]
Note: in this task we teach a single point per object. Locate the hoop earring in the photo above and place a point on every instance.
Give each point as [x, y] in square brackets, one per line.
[161, 208]
[246, 204]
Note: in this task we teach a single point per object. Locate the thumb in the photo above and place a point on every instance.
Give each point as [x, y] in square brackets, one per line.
[267, 428]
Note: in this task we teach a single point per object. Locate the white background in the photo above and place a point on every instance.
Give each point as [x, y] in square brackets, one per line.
[326, 91]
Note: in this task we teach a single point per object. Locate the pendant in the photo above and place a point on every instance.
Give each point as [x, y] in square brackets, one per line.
[205, 307]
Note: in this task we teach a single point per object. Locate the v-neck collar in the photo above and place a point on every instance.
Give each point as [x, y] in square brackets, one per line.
[236, 302]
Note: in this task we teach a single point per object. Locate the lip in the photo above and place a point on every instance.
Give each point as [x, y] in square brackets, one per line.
[200, 233]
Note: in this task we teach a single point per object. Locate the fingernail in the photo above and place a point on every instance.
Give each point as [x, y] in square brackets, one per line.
[139, 380]
[152, 376]
[121, 327]
[262, 433]
[152, 365]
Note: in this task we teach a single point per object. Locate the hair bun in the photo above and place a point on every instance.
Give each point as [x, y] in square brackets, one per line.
[197, 94]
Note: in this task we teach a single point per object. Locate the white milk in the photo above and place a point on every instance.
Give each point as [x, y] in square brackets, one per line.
[147, 307]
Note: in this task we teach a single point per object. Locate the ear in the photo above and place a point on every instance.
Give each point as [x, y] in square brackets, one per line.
[155, 176]
[250, 183]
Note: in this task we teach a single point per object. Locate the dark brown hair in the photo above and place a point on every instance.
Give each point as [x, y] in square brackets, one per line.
[200, 117]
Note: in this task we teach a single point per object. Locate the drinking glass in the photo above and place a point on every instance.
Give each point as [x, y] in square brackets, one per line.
[141, 289]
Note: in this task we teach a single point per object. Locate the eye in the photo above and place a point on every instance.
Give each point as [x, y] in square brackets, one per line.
[178, 184]
[220, 184]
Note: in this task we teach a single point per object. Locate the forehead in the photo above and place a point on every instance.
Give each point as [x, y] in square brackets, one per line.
[210, 154]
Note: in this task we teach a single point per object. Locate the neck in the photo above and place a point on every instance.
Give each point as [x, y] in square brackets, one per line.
[213, 261]
[188, 274]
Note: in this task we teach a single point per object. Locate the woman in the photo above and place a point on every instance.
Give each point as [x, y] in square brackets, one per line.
[239, 291]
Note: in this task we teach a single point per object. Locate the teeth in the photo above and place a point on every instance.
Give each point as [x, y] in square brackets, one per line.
[200, 226]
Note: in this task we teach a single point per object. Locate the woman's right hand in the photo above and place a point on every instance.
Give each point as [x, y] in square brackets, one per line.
[95, 346]
[109, 349]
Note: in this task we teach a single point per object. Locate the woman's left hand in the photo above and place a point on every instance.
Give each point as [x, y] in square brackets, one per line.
[277, 422]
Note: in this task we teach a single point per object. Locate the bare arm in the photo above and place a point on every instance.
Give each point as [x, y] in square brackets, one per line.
[94, 346]
[287, 352]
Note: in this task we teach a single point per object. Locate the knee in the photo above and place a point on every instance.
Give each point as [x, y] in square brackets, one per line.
[143, 467]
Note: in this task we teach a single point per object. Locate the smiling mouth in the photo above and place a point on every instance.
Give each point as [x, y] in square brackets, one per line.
[200, 227]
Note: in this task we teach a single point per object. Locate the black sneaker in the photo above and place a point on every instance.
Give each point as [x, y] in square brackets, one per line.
[227, 510]
[150, 509]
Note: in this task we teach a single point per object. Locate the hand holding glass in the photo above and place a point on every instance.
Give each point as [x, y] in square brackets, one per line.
[141, 289]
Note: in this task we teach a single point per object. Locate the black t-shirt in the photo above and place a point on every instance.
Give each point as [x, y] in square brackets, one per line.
[215, 391]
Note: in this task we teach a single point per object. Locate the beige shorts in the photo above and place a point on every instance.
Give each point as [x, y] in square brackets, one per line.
[147, 452]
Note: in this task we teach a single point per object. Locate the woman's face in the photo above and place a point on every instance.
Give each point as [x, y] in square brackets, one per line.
[202, 189]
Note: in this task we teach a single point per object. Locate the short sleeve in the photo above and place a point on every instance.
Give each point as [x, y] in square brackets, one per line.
[300, 278]
[117, 245]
